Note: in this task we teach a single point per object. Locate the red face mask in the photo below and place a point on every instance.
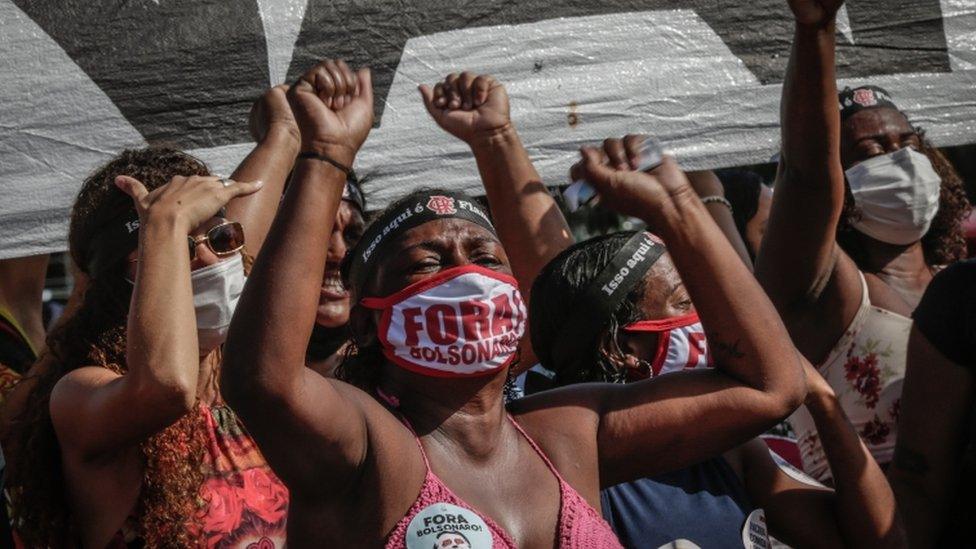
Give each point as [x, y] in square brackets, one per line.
[462, 322]
[681, 345]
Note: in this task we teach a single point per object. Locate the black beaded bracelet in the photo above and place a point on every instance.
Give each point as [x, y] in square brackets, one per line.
[350, 174]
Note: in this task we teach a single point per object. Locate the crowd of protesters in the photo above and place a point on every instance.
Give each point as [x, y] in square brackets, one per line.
[260, 359]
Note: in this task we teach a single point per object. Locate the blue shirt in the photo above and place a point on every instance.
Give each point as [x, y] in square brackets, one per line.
[706, 504]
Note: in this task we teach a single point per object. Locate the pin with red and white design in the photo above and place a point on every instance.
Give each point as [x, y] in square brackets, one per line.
[865, 97]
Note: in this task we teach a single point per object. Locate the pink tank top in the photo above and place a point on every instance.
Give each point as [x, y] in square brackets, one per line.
[439, 519]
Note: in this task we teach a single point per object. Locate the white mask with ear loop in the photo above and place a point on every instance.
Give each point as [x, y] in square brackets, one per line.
[216, 290]
[897, 194]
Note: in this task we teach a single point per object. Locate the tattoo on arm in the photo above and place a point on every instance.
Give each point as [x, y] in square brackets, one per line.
[910, 461]
[723, 349]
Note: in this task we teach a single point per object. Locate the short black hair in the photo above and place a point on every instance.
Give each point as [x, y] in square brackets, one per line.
[555, 293]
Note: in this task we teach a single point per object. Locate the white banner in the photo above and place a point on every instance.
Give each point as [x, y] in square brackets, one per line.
[85, 79]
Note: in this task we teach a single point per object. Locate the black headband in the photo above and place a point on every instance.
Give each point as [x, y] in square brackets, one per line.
[597, 304]
[863, 97]
[425, 207]
[116, 239]
[112, 242]
[353, 192]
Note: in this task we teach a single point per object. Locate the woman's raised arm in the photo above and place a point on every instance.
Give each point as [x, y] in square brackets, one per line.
[277, 140]
[675, 420]
[475, 109]
[97, 412]
[799, 255]
[311, 430]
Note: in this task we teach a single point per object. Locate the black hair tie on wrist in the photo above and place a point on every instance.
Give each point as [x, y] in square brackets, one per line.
[344, 169]
[353, 191]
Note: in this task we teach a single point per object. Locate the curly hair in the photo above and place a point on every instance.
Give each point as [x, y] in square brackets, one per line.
[555, 293]
[944, 243]
[95, 335]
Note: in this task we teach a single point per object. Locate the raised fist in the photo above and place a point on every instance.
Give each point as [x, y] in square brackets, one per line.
[270, 111]
[468, 106]
[611, 169]
[334, 109]
[815, 12]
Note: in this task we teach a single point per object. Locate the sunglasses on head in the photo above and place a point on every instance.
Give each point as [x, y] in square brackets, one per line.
[223, 239]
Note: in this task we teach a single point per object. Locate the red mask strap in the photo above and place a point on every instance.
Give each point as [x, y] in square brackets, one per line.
[662, 325]
[381, 303]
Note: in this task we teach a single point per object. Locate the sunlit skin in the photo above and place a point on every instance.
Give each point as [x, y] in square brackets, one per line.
[432, 247]
[815, 285]
[328, 440]
[333, 309]
[101, 417]
[664, 297]
[873, 132]
[418, 254]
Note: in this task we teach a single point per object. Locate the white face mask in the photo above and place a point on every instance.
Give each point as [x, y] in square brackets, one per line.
[898, 195]
[461, 322]
[216, 289]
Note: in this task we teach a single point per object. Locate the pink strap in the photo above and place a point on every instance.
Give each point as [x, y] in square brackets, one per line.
[393, 402]
[538, 451]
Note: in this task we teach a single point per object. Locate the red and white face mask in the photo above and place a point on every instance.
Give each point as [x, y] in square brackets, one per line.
[462, 322]
[681, 344]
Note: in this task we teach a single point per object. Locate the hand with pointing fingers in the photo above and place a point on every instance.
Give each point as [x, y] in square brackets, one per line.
[188, 201]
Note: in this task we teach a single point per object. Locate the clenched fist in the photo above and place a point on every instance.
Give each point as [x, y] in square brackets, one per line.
[271, 111]
[611, 170]
[468, 106]
[815, 12]
[334, 109]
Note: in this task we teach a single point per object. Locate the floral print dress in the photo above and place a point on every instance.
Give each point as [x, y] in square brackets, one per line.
[245, 504]
[866, 369]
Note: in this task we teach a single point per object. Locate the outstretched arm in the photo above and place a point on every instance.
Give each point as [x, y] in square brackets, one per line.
[475, 110]
[311, 430]
[859, 512]
[799, 255]
[277, 139]
[643, 428]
